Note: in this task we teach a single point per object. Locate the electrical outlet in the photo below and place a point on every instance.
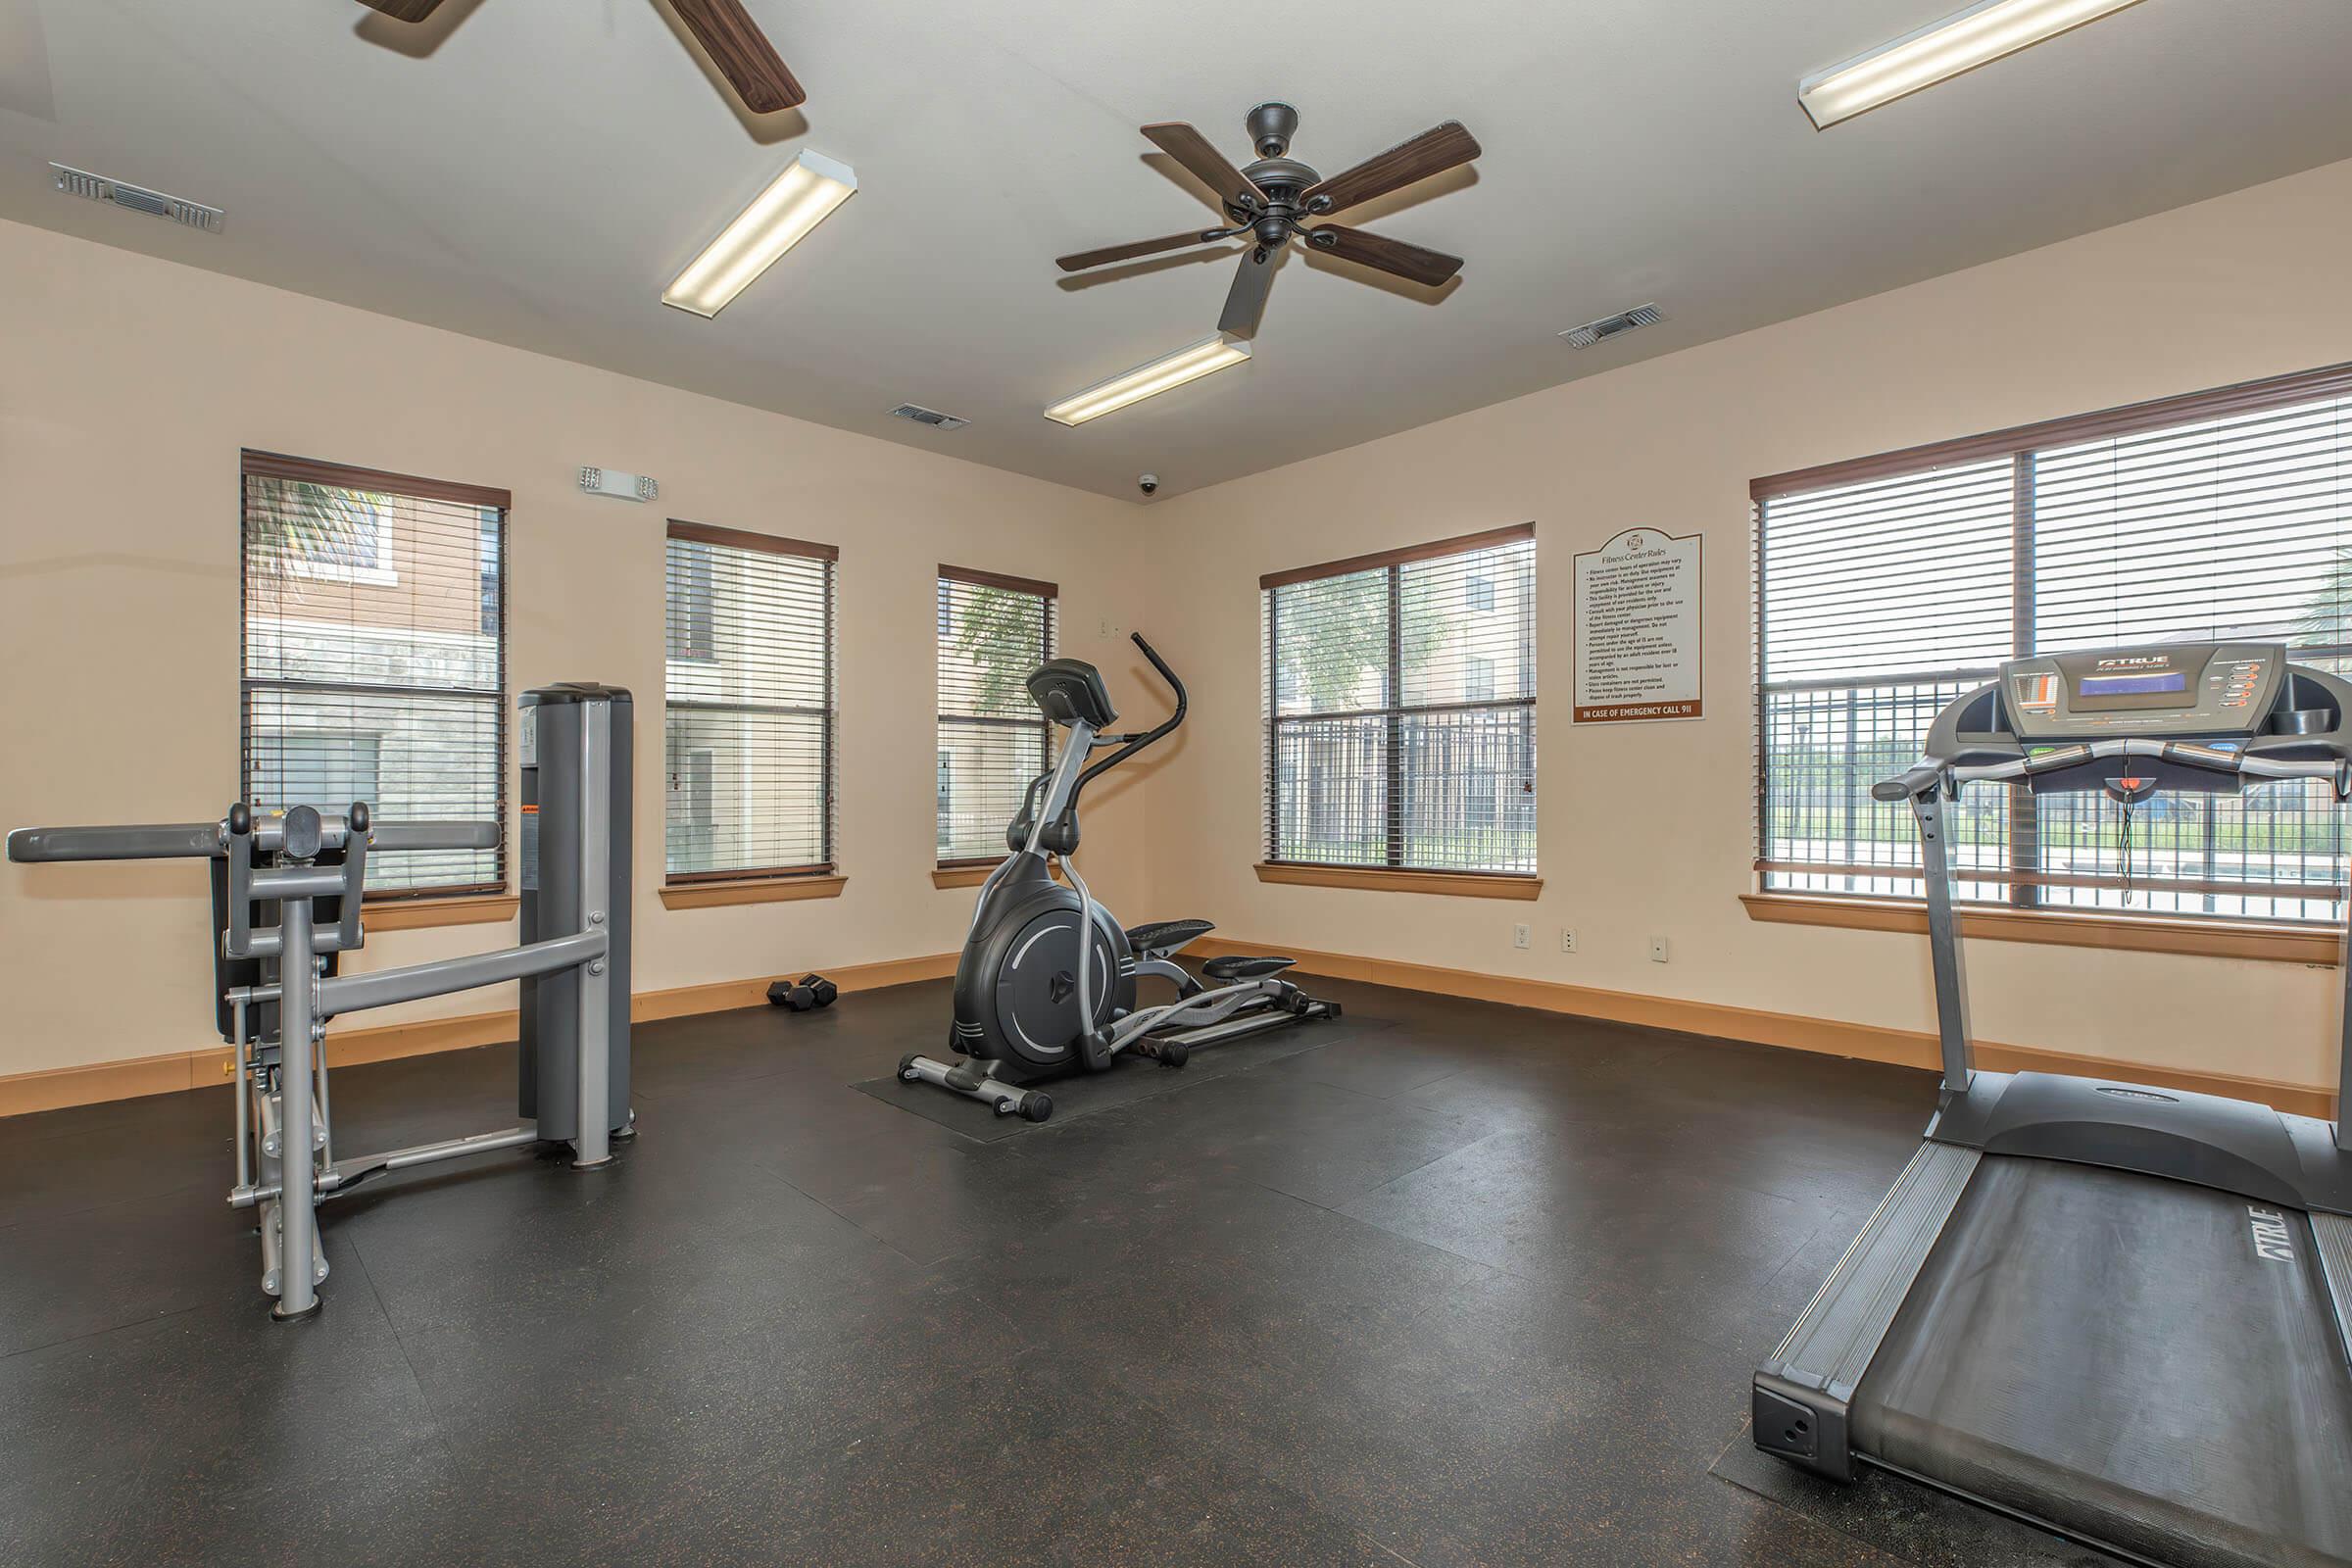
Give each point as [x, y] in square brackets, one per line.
[1108, 629]
[1657, 950]
[1521, 935]
[1567, 939]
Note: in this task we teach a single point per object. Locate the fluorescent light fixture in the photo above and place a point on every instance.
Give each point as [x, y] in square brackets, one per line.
[1941, 50]
[801, 198]
[1188, 363]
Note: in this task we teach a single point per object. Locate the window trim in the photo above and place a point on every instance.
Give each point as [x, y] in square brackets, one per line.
[1037, 587]
[684, 890]
[253, 463]
[2017, 920]
[2130, 418]
[1386, 877]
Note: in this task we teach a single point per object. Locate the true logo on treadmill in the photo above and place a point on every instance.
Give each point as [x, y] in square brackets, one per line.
[2271, 1242]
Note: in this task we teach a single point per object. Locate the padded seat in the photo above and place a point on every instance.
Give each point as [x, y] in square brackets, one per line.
[1165, 935]
[1239, 967]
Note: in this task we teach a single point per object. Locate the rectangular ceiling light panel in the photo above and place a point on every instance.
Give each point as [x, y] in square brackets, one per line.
[1941, 50]
[1188, 363]
[800, 199]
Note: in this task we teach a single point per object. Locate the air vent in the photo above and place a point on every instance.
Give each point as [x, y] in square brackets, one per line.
[155, 204]
[1591, 333]
[931, 416]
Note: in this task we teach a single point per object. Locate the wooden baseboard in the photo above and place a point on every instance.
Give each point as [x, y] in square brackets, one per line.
[1829, 1036]
[54, 1088]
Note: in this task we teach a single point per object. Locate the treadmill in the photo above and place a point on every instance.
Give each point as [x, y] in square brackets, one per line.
[2114, 1311]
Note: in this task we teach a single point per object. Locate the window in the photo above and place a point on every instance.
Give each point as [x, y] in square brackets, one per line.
[374, 658]
[747, 742]
[1889, 586]
[993, 631]
[1401, 695]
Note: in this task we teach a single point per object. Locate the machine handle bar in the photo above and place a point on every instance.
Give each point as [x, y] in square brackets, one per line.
[202, 841]
[1139, 742]
[1924, 776]
[159, 841]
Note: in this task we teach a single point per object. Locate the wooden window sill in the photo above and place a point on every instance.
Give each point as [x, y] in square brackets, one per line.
[971, 876]
[1455, 884]
[2215, 938]
[416, 915]
[751, 890]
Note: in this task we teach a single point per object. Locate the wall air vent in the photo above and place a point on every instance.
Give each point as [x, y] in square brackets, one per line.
[155, 204]
[1591, 333]
[930, 416]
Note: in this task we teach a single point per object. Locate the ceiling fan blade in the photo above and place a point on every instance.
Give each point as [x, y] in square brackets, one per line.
[740, 51]
[404, 9]
[1433, 152]
[1205, 163]
[1142, 247]
[1245, 301]
[1406, 260]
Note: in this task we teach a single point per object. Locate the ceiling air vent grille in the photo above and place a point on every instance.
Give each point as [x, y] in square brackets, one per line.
[930, 416]
[155, 204]
[1591, 333]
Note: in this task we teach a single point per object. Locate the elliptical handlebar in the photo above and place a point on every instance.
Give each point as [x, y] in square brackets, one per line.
[1159, 731]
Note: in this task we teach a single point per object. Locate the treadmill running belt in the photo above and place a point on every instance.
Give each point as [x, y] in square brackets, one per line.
[2127, 1359]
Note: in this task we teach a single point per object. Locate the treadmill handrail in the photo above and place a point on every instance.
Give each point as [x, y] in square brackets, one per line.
[1927, 775]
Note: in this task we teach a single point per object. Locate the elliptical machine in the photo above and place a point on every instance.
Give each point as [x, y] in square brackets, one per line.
[1024, 970]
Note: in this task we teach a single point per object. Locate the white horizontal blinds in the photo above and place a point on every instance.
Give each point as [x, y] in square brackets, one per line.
[1891, 578]
[2232, 527]
[748, 724]
[993, 631]
[374, 656]
[1402, 709]
[1880, 601]
[2224, 514]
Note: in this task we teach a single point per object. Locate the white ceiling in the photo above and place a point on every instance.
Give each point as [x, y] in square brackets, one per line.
[536, 170]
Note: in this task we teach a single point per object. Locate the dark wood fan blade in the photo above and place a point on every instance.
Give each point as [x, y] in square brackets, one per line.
[1433, 152]
[1245, 301]
[1205, 164]
[1142, 247]
[404, 9]
[740, 51]
[1406, 260]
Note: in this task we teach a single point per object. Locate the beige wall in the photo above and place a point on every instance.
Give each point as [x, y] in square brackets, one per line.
[1647, 828]
[130, 384]
[127, 386]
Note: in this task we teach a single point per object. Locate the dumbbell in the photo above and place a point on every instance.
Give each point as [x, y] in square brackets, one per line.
[804, 995]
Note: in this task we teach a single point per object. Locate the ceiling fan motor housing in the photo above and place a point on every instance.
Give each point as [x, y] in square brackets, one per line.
[1271, 126]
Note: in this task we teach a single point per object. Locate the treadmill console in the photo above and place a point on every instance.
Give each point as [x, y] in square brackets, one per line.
[2172, 691]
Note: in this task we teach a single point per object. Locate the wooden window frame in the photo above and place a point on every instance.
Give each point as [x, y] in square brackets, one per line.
[741, 885]
[2225, 935]
[461, 902]
[1393, 875]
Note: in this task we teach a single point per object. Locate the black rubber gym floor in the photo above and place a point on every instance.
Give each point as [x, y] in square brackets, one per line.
[1447, 1282]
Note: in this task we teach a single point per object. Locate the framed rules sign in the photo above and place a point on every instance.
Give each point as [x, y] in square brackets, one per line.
[1637, 629]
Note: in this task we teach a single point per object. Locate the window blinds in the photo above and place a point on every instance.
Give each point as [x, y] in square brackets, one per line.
[1881, 598]
[374, 656]
[748, 721]
[993, 631]
[1401, 709]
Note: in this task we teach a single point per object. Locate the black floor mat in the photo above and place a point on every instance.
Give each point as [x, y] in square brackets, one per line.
[1134, 1078]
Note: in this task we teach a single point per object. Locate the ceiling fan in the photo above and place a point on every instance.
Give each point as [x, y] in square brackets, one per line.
[1267, 200]
[725, 31]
